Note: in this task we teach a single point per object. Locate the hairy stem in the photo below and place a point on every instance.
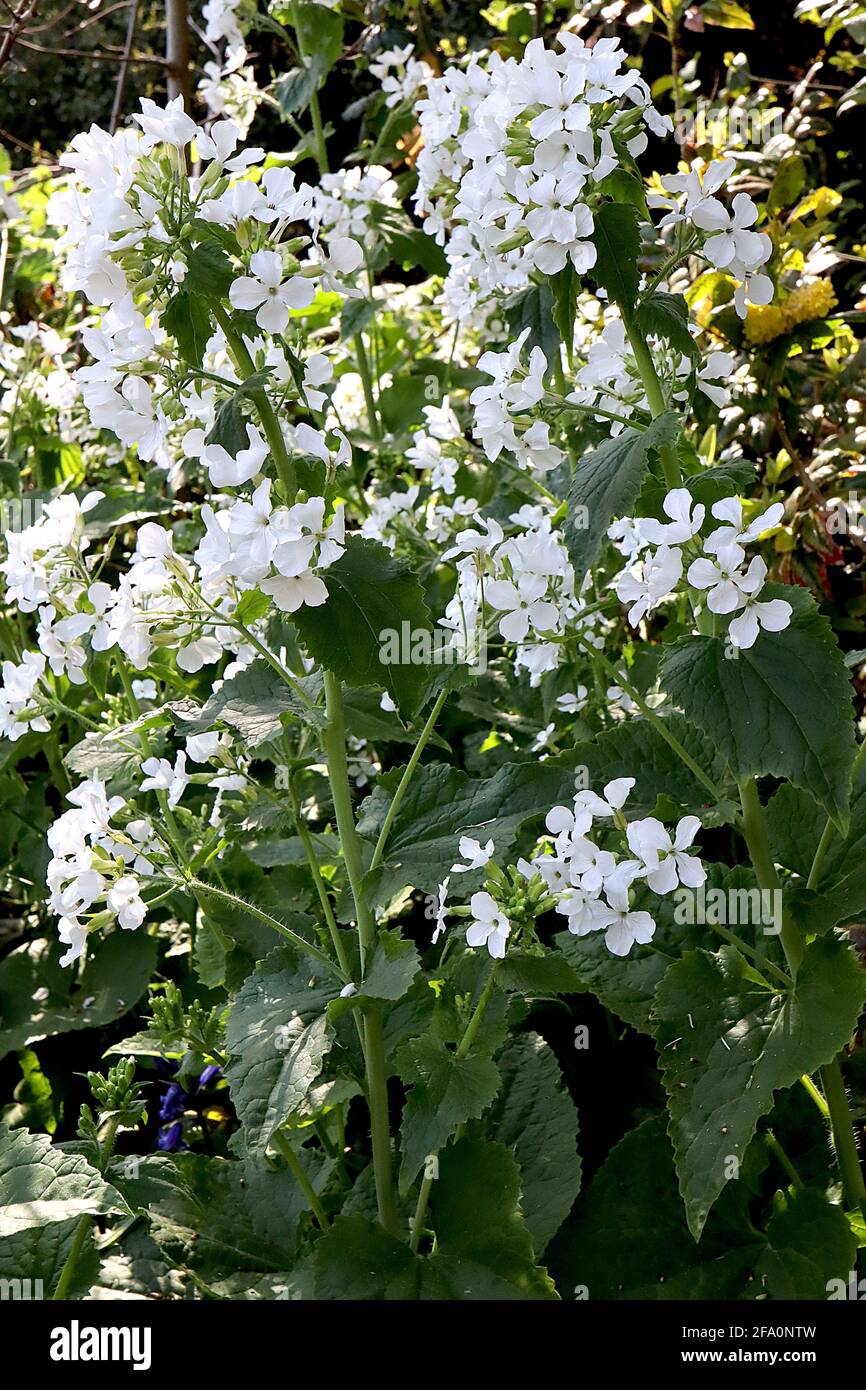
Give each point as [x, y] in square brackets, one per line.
[223, 895]
[844, 1142]
[367, 384]
[755, 835]
[670, 739]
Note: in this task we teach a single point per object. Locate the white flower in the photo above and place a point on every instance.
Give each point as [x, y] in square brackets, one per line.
[732, 240]
[572, 703]
[225, 471]
[773, 615]
[649, 581]
[201, 748]
[124, 899]
[664, 859]
[589, 865]
[168, 125]
[489, 927]
[730, 510]
[561, 821]
[616, 794]
[267, 292]
[524, 605]
[728, 585]
[687, 518]
[441, 894]
[73, 934]
[293, 592]
[476, 854]
[161, 776]
[626, 929]
[585, 912]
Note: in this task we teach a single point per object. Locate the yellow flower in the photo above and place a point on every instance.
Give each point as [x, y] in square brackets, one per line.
[764, 322]
[809, 302]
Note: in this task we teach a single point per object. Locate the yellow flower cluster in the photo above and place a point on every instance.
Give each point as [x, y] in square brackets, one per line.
[764, 322]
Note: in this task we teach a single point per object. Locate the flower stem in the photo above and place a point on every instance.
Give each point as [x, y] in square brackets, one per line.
[270, 424]
[655, 397]
[670, 739]
[755, 835]
[829, 829]
[403, 785]
[841, 1123]
[223, 895]
[297, 1170]
[334, 739]
[367, 383]
[324, 901]
[843, 1136]
[315, 109]
[465, 1044]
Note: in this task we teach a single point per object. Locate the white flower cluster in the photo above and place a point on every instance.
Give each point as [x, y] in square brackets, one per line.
[527, 579]
[609, 379]
[499, 406]
[228, 87]
[729, 244]
[426, 453]
[586, 883]
[592, 885]
[95, 862]
[655, 550]
[344, 202]
[402, 76]
[279, 548]
[514, 151]
[127, 216]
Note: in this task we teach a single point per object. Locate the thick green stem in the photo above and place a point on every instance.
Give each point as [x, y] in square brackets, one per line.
[380, 1128]
[408, 771]
[782, 1159]
[374, 1045]
[367, 383]
[655, 397]
[747, 950]
[270, 424]
[841, 1122]
[322, 892]
[843, 1136]
[334, 739]
[297, 1170]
